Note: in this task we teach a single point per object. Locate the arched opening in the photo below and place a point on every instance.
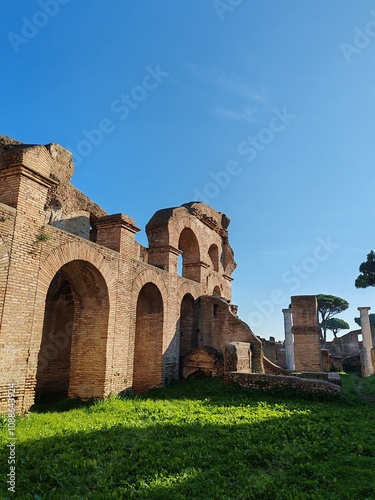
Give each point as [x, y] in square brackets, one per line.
[72, 356]
[148, 346]
[188, 337]
[180, 265]
[189, 246]
[216, 291]
[93, 231]
[213, 253]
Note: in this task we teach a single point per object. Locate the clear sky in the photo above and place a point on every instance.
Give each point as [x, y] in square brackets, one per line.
[264, 109]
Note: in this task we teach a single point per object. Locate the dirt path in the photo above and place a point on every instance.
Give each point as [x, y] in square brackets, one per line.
[358, 388]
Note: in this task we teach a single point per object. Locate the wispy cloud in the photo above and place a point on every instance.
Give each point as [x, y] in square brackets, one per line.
[243, 100]
[277, 253]
[271, 253]
[231, 84]
[246, 114]
[359, 212]
[295, 251]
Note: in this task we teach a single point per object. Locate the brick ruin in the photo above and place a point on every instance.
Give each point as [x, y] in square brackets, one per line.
[306, 330]
[85, 310]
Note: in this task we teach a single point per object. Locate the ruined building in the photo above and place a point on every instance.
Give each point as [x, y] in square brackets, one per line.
[87, 311]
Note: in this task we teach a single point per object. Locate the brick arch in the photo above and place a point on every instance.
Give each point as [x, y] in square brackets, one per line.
[187, 328]
[49, 337]
[187, 287]
[148, 339]
[177, 225]
[186, 235]
[72, 359]
[213, 253]
[143, 278]
[205, 236]
[68, 253]
[215, 282]
[150, 276]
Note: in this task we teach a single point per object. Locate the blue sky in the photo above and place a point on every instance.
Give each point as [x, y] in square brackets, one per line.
[265, 109]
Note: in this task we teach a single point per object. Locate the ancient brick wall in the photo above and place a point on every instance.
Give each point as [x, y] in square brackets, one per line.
[7, 219]
[86, 310]
[269, 348]
[346, 345]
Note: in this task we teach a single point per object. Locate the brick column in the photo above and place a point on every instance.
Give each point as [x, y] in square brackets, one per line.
[306, 333]
[289, 340]
[367, 365]
[164, 257]
[24, 182]
[115, 231]
[118, 233]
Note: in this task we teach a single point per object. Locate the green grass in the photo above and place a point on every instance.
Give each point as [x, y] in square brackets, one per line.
[198, 440]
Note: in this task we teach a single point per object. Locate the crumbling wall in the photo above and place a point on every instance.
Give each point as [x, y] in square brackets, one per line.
[346, 345]
[66, 207]
[203, 361]
[217, 326]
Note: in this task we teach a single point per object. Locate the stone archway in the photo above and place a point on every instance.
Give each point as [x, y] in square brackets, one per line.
[213, 253]
[72, 355]
[188, 244]
[148, 345]
[188, 337]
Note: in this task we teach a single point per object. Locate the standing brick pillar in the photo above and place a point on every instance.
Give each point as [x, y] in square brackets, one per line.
[289, 340]
[237, 357]
[306, 333]
[25, 178]
[118, 233]
[367, 365]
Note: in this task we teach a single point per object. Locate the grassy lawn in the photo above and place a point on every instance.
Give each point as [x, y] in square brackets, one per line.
[198, 440]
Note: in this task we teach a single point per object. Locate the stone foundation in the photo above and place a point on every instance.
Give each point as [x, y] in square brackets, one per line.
[266, 382]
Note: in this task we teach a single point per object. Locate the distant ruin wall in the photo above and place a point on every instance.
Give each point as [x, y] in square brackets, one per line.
[346, 345]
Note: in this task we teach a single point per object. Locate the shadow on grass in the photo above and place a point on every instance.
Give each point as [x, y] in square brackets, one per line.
[213, 391]
[61, 405]
[285, 457]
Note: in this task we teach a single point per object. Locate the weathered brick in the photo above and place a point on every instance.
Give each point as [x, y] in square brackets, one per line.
[86, 310]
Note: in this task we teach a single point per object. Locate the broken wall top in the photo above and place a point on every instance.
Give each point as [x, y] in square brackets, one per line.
[53, 162]
[209, 216]
[61, 160]
[305, 310]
